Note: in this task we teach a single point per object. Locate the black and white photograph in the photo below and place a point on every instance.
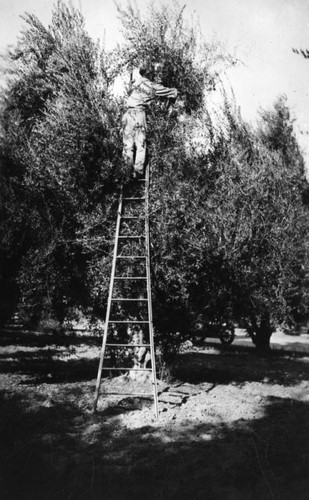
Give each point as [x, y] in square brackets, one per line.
[154, 250]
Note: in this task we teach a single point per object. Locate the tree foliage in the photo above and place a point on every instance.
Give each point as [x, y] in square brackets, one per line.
[164, 37]
[231, 232]
[61, 150]
[228, 220]
[303, 52]
[228, 223]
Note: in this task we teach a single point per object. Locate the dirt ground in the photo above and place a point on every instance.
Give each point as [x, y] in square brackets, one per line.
[242, 433]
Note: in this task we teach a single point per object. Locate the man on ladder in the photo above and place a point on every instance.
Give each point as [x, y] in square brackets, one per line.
[143, 91]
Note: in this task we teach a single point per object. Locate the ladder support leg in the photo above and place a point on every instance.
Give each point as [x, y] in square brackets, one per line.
[151, 336]
[99, 376]
[111, 286]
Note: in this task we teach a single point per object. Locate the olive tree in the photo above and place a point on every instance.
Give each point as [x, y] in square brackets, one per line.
[228, 222]
[61, 151]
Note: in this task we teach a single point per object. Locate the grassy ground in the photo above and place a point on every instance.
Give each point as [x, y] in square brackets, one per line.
[243, 435]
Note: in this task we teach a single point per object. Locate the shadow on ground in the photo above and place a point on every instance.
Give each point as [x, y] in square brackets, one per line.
[43, 369]
[49, 358]
[33, 339]
[238, 367]
[60, 453]
[52, 448]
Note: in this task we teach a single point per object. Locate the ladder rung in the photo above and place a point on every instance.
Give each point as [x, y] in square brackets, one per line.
[137, 237]
[130, 277]
[131, 217]
[131, 257]
[126, 368]
[130, 300]
[128, 321]
[134, 199]
[133, 394]
[128, 345]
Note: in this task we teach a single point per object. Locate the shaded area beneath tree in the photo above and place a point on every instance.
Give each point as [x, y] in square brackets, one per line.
[243, 435]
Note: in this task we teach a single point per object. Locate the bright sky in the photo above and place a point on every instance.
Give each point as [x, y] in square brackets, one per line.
[261, 33]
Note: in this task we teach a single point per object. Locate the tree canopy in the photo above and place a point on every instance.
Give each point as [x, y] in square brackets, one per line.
[228, 222]
[61, 162]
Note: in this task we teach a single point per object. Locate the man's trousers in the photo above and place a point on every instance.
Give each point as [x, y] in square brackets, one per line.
[134, 138]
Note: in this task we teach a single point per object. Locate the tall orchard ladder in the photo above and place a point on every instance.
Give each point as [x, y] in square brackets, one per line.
[129, 304]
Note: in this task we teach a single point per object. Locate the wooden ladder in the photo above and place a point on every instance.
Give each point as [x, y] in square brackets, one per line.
[133, 208]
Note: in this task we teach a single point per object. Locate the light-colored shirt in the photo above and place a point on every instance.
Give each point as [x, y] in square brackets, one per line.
[144, 91]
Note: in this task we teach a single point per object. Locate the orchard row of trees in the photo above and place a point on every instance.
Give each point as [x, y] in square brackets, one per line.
[228, 217]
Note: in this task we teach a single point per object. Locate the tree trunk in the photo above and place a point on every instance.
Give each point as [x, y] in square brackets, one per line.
[262, 340]
[261, 334]
[141, 355]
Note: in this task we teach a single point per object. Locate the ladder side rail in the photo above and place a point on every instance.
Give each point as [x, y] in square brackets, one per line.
[148, 284]
[111, 287]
